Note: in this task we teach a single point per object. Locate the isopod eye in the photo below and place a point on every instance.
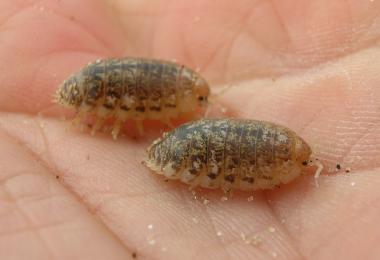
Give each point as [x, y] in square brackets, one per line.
[202, 98]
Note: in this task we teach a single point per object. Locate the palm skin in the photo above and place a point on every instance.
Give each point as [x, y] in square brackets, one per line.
[309, 65]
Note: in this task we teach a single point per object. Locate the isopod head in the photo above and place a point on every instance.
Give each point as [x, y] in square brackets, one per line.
[201, 91]
[302, 150]
[69, 93]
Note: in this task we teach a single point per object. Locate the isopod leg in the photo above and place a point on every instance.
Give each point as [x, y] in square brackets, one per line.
[116, 128]
[193, 186]
[140, 127]
[228, 191]
[98, 125]
[168, 123]
[77, 119]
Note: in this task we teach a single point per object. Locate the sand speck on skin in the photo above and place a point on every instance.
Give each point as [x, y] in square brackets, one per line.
[224, 198]
[272, 229]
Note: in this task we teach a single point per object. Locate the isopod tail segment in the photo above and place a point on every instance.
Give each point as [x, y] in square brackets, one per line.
[213, 98]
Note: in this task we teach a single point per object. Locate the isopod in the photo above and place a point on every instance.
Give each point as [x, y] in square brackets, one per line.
[133, 88]
[231, 154]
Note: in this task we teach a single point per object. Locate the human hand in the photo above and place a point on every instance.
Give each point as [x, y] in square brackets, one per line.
[308, 65]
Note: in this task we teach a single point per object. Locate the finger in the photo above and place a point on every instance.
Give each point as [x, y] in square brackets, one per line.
[234, 40]
[109, 178]
[334, 108]
[341, 212]
[42, 42]
[41, 219]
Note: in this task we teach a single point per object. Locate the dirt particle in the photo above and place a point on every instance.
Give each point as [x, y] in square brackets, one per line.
[272, 229]
[223, 110]
[338, 166]
[224, 198]
[134, 255]
[205, 201]
[255, 240]
[194, 194]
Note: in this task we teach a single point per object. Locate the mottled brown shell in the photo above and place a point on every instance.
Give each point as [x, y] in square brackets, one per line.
[230, 154]
[134, 88]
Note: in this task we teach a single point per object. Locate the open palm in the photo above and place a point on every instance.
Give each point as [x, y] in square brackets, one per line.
[309, 65]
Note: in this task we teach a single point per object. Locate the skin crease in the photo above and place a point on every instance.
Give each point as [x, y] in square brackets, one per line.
[309, 65]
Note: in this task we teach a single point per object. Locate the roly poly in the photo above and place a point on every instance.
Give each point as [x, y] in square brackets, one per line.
[133, 88]
[231, 154]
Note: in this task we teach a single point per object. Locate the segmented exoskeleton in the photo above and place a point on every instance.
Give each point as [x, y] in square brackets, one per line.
[133, 88]
[230, 154]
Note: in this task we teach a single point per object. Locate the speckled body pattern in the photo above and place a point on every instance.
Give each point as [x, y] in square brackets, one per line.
[230, 154]
[134, 88]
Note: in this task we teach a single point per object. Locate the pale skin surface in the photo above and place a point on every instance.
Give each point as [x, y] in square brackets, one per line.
[310, 65]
